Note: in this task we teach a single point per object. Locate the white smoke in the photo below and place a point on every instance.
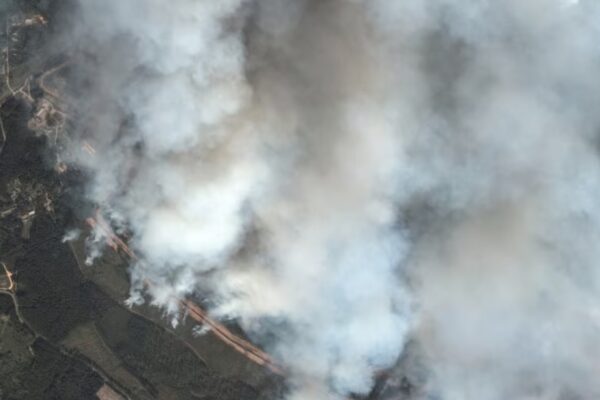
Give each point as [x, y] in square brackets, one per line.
[343, 175]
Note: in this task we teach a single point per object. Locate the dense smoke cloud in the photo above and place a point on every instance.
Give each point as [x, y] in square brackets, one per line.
[341, 176]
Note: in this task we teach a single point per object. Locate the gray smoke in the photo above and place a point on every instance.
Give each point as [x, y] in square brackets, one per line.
[342, 176]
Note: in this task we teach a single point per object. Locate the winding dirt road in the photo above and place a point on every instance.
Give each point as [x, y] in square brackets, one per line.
[7, 284]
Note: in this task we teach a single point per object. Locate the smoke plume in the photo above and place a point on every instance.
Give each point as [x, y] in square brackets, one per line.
[342, 177]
